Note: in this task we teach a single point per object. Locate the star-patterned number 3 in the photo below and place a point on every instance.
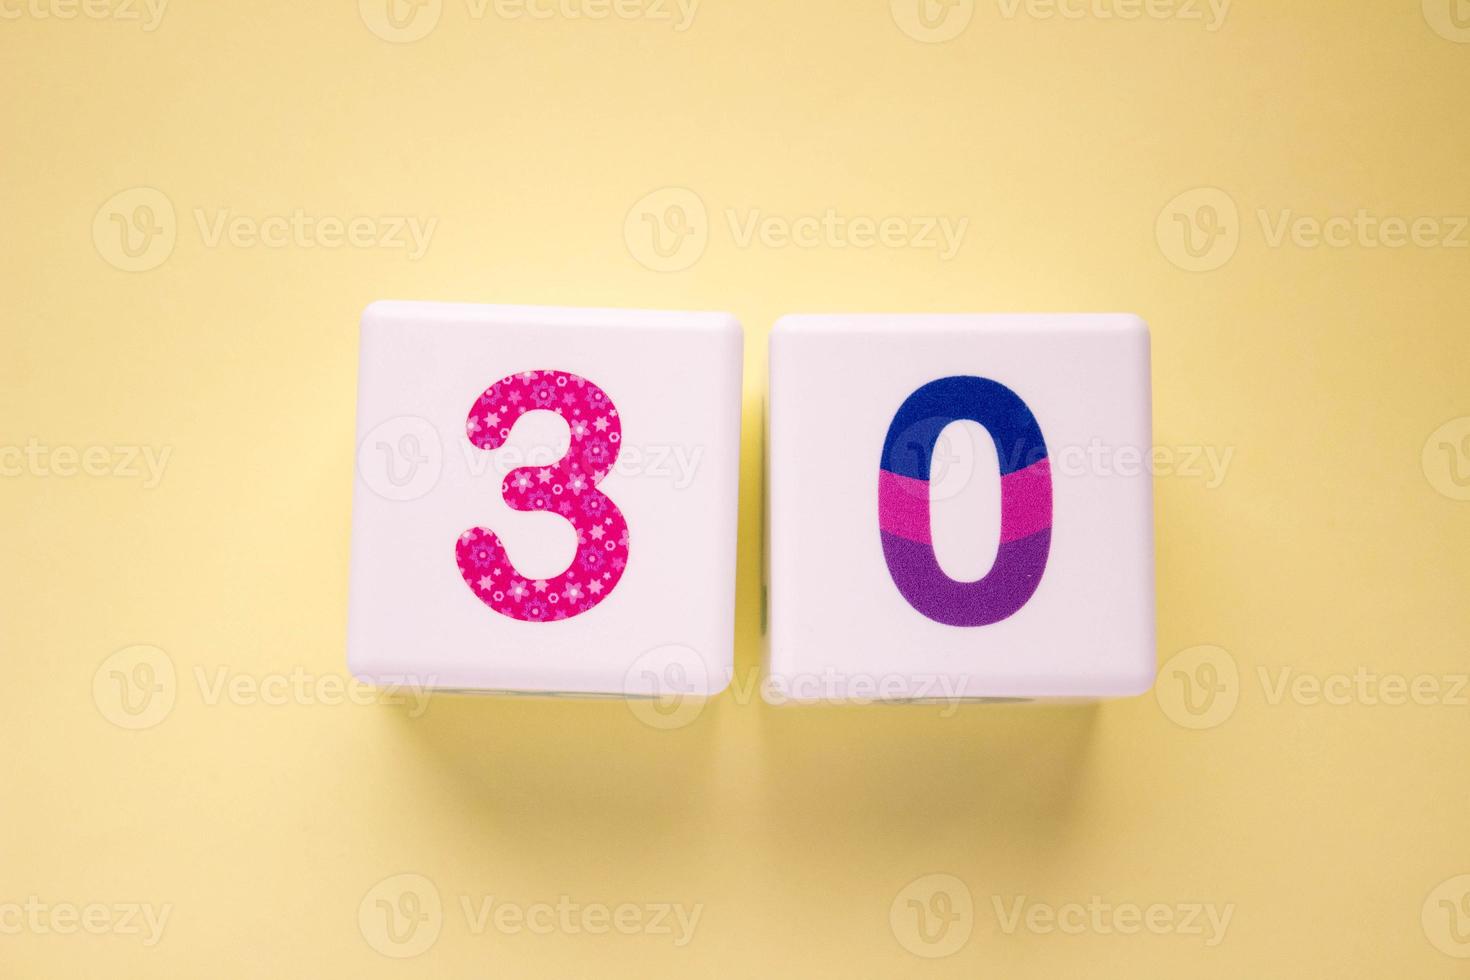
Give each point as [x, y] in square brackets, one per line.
[568, 487]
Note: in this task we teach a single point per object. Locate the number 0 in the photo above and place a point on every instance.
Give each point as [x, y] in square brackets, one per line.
[1025, 501]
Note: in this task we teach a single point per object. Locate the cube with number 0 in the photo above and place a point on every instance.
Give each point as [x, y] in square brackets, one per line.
[545, 500]
[960, 507]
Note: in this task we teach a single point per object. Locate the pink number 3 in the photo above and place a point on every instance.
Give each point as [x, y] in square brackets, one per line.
[567, 487]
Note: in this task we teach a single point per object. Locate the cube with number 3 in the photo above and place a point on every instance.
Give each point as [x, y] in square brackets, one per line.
[545, 500]
[960, 507]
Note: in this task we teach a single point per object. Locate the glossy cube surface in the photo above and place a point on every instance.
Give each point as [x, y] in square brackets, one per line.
[960, 507]
[545, 499]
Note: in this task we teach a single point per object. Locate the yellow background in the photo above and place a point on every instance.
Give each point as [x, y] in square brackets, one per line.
[1337, 540]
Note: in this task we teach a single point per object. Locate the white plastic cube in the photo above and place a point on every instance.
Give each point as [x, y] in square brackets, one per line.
[960, 507]
[545, 500]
